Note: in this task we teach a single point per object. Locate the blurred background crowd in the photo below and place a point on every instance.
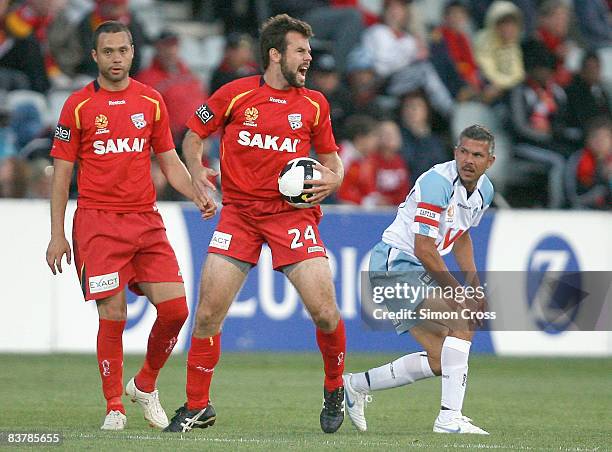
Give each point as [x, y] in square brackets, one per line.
[403, 78]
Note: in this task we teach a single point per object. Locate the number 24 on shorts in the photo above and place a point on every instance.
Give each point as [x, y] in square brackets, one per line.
[309, 234]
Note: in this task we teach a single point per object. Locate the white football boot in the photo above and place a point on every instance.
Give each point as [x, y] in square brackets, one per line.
[114, 420]
[149, 402]
[355, 403]
[460, 424]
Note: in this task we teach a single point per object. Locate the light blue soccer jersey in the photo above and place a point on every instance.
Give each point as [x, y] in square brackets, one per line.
[438, 206]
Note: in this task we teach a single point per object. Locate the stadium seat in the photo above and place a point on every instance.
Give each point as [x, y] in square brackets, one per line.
[20, 97]
[56, 102]
[605, 54]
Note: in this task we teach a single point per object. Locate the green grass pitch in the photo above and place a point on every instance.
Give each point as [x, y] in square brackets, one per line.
[272, 402]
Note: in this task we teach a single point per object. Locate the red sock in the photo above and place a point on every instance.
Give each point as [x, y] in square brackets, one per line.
[110, 362]
[201, 361]
[171, 315]
[333, 349]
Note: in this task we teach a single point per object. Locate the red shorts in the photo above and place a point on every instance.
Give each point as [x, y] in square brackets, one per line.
[114, 249]
[292, 236]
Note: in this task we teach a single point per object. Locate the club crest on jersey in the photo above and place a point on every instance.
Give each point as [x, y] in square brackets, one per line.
[139, 120]
[450, 213]
[295, 120]
[251, 114]
[101, 123]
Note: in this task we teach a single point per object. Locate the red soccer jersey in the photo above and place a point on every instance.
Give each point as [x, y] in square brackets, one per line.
[262, 129]
[110, 134]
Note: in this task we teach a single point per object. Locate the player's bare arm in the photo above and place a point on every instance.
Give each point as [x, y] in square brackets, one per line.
[58, 245]
[463, 251]
[426, 252]
[193, 147]
[332, 174]
[178, 176]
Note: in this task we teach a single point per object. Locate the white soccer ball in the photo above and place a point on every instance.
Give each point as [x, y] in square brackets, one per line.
[291, 181]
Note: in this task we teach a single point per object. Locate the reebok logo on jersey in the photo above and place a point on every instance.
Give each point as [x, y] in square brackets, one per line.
[221, 240]
[119, 145]
[103, 283]
[62, 133]
[204, 114]
[116, 102]
[267, 142]
[278, 101]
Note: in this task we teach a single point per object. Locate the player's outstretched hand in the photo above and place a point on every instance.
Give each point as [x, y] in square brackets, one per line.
[58, 246]
[322, 188]
[202, 188]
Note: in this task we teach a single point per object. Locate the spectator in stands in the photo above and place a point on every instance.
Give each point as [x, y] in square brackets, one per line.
[452, 56]
[402, 57]
[586, 95]
[33, 19]
[498, 51]
[364, 85]
[324, 77]
[21, 59]
[552, 31]
[594, 167]
[595, 22]
[182, 91]
[528, 8]
[7, 136]
[360, 138]
[27, 123]
[108, 10]
[14, 173]
[333, 21]
[359, 185]
[539, 117]
[421, 149]
[238, 61]
[392, 177]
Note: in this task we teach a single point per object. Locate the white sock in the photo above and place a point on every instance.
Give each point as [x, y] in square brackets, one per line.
[402, 371]
[455, 354]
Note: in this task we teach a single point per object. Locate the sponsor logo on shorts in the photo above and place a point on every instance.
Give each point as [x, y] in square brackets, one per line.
[62, 133]
[204, 114]
[103, 283]
[315, 249]
[221, 240]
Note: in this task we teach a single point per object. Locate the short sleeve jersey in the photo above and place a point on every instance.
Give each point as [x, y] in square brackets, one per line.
[440, 207]
[262, 129]
[110, 134]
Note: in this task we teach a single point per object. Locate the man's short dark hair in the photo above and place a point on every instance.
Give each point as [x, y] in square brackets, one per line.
[479, 133]
[358, 126]
[110, 26]
[454, 4]
[274, 31]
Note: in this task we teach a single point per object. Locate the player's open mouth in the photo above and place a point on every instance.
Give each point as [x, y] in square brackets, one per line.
[302, 70]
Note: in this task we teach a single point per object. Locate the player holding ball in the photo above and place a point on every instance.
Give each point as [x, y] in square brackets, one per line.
[266, 121]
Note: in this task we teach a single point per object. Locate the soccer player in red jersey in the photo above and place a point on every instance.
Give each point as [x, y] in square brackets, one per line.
[109, 128]
[266, 121]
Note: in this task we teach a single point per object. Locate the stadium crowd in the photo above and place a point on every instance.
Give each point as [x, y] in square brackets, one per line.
[537, 73]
